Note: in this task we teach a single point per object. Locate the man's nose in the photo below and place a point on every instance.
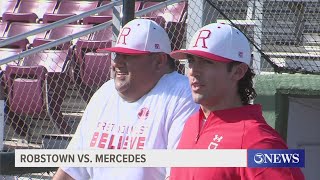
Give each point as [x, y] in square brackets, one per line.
[118, 62]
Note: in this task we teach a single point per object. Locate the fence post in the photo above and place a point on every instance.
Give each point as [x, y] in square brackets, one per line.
[128, 11]
[257, 35]
[116, 22]
[195, 22]
[2, 119]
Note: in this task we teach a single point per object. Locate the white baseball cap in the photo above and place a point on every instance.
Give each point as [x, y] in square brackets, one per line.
[217, 42]
[141, 36]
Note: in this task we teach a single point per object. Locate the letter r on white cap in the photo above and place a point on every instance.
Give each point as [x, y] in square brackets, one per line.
[203, 34]
[125, 32]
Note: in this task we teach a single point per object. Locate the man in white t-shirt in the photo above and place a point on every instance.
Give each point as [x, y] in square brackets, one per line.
[145, 106]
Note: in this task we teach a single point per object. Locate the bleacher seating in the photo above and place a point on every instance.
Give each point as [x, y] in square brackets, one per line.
[3, 28]
[99, 39]
[101, 17]
[175, 21]
[30, 11]
[105, 15]
[69, 8]
[96, 69]
[7, 52]
[171, 13]
[28, 89]
[289, 31]
[16, 122]
[41, 82]
[25, 83]
[61, 32]
[53, 60]
[291, 35]
[7, 6]
[37, 85]
[84, 45]
[16, 28]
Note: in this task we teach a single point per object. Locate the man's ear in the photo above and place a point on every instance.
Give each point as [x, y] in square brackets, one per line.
[160, 61]
[238, 71]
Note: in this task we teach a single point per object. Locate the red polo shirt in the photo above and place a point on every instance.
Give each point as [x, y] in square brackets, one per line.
[237, 128]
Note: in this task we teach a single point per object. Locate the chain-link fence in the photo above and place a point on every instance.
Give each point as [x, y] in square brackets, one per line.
[45, 93]
[284, 34]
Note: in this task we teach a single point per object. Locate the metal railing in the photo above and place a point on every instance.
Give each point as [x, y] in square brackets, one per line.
[73, 36]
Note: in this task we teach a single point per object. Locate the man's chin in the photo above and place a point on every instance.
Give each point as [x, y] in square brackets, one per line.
[197, 98]
[121, 87]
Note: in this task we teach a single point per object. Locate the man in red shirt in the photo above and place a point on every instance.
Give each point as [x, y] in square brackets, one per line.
[221, 82]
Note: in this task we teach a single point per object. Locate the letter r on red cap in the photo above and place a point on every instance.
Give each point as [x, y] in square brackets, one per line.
[125, 32]
[203, 34]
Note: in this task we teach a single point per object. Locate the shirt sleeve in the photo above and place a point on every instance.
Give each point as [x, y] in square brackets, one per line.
[183, 109]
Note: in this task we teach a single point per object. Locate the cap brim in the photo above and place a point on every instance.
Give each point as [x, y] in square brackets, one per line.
[182, 54]
[122, 50]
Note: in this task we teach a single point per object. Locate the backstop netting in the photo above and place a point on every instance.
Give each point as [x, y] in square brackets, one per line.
[44, 94]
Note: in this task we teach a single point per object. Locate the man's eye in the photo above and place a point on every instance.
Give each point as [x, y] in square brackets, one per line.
[209, 62]
[124, 56]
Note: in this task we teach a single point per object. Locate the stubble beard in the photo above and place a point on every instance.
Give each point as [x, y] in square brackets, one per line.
[197, 98]
[121, 85]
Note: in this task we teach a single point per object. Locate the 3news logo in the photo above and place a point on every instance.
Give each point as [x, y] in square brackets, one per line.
[276, 158]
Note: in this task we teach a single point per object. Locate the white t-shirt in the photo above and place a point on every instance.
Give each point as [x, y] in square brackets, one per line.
[155, 121]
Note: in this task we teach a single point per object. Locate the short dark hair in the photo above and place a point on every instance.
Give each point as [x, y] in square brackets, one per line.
[171, 62]
[245, 84]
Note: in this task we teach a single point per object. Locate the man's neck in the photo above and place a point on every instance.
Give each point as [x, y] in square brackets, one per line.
[227, 103]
